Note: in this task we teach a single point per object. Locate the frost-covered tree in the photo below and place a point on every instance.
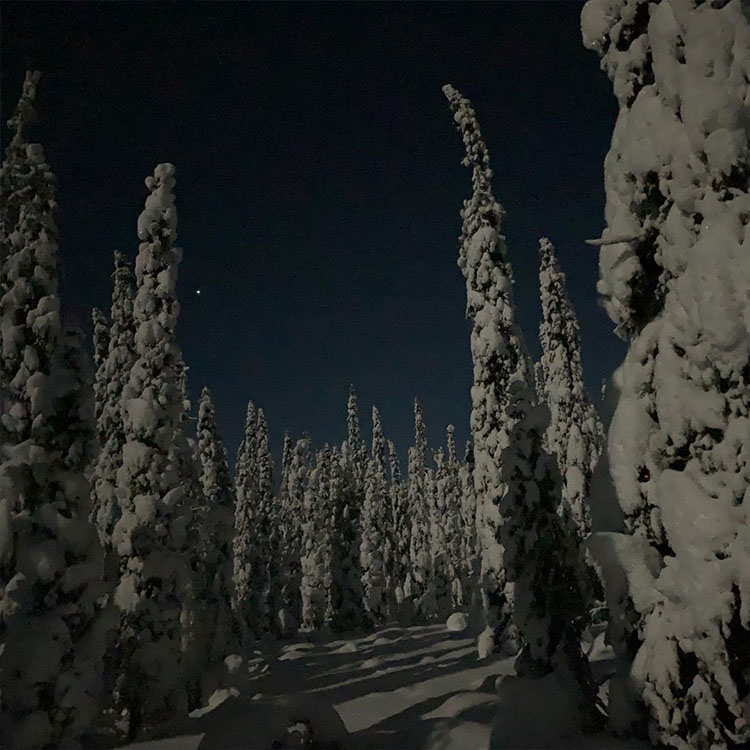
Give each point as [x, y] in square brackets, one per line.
[400, 529]
[217, 518]
[468, 513]
[101, 349]
[354, 462]
[245, 603]
[292, 508]
[374, 525]
[450, 495]
[674, 275]
[150, 535]
[575, 434]
[419, 581]
[512, 469]
[442, 574]
[113, 374]
[335, 578]
[51, 629]
[316, 544]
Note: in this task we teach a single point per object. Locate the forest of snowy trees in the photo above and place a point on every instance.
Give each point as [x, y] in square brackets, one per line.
[135, 565]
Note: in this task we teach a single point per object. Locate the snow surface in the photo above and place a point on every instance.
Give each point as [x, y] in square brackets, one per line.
[396, 688]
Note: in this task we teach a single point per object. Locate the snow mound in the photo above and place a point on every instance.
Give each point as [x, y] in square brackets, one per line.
[457, 622]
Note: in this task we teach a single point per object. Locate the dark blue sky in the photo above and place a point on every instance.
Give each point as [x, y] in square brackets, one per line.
[319, 185]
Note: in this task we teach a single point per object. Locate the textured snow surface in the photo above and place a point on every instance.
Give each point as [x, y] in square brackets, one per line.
[397, 688]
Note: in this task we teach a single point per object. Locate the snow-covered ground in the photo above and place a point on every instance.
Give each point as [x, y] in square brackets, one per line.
[419, 687]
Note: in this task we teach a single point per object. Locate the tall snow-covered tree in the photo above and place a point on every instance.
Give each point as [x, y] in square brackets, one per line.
[442, 575]
[316, 544]
[401, 528]
[51, 629]
[150, 535]
[419, 580]
[468, 514]
[245, 602]
[674, 276]
[335, 578]
[512, 469]
[113, 374]
[575, 433]
[374, 525]
[217, 517]
[450, 492]
[292, 508]
[354, 462]
[101, 349]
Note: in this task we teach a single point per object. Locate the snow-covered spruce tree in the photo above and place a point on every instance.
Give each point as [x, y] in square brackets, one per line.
[471, 562]
[217, 518]
[450, 490]
[245, 602]
[676, 179]
[269, 531]
[113, 374]
[400, 529]
[539, 553]
[351, 613]
[316, 547]
[150, 535]
[575, 433]
[290, 555]
[338, 539]
[51, 631]
[419, 581]
[442, 575]
[101, 349]
[374, 525]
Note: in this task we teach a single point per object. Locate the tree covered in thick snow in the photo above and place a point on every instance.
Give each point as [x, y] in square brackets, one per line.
[442, 574]
[676, 286]
[217, 518]
[419, 580]
[516, 473]
[245, 602]
[316, 544]
[51, 629]
[470, 553]
[101, 349]
[292, 509]
[113, 374]
[150, 535]
[400, 528]
[575, 433]
[375, 527]
[354, 462]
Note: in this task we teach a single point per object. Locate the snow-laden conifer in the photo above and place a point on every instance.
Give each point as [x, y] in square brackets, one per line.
[374, 525]
[290, 555]
[450, 493]
[419, 580]
[150, 535]
[51, 567]
[470, 553]
[354, 463]
[113, 374]
[316, 544]
[575, 432]
[512, 469]
[101, 349]
[676, 179]
[245, 602]
[401, 528]
[442, 576]
[217, 518]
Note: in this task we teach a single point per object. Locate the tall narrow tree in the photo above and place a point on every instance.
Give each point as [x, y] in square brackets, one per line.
[101, 349]
[150, 534]
[51, 632]
[401, 525]
[674, 275]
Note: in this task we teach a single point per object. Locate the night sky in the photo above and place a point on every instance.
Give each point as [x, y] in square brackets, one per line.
[319, 186]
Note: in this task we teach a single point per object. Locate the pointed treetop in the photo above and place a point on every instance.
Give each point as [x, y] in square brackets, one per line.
[451, 443]
[160, 205]
[24, 112]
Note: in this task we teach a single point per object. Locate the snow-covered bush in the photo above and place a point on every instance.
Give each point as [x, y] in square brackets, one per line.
[675, 278]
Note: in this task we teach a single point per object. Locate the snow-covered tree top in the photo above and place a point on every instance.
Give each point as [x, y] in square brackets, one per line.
[160, 204]
[24, 112]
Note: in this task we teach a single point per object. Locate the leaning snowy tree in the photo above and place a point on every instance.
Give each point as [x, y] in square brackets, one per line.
[675, 275]
[512, 470]
[217, 518]
[150, 535]
[51, 629]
